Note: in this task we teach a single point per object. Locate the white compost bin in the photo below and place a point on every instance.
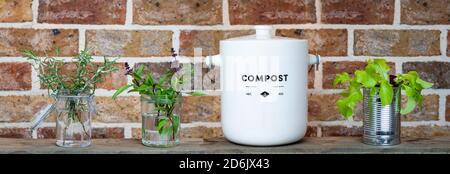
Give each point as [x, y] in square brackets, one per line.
[264, 88]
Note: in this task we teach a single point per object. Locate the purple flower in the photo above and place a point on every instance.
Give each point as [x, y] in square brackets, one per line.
[128, 69]
[175, 64]
[174, 53]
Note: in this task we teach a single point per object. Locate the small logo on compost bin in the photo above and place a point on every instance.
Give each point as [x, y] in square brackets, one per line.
[264, 94]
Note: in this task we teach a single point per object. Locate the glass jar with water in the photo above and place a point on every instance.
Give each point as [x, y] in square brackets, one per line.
[160, 120]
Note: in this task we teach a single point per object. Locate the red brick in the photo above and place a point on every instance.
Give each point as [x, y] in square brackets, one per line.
[129, 43]
[211, 77]
[176, 12]
[42, 41]
[21, 108]
[429, 110]
[357, 11]
[114, 80]
[109, 81]
[435, 72]
[208, 40]
[311, 131]
[108, 132]
[328, 131]
[425, 12]
[15, 76]
[201, 108]
[97, 133]
[447, 109]
[123, 109]
[425, 131]
[82, 11]
[15, 11]
[322, 107]
[160, 69]
[325, 42]
[311, 77]
[397, 43]
[330, 69]
[448, 44]
[157, 69]
[201, 132]
[46, 133]
[250, 12]
[15, 133]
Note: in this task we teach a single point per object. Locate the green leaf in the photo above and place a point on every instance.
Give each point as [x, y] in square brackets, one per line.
[176, 122]
[410, 105]
[347, 104]
[142, 88]
[149, 79]
[378, 69]
[343, 108]
[386, 93]
[382, 64]
[161, 124]
[341, 78]
[424, 84]
[140, 70]
[165, 78]
[136, 77]
[120, 90]
[365, 79]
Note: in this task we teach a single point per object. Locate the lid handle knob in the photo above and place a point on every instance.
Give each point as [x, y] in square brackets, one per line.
[263, 31]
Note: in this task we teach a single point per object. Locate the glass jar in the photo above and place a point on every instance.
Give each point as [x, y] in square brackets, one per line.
[73, 120]
[160, 120]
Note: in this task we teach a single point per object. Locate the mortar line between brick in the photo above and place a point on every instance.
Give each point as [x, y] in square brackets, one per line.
[397, 13]
[34, 134]
[127, 132]
[109, 93]
[129, 13]
[35, 85]
[218, 27]
[317, 124]
[318, 77]
[350, 41]
[442, 107]
[318, 5]
[359, 123]
[176, 40]
[110, 125]
[98, 92]
[443, 42]
[398, 67]
[199, 124]
[225, 13]
[81, 39]
[389, 58]
[34, 10]
[319, 131]
[184, 59]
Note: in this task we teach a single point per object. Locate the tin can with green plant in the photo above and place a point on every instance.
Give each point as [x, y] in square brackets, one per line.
[381, 95]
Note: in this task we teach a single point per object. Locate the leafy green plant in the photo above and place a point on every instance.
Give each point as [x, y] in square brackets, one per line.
[376, 78]
[83, 81]
[162, 91]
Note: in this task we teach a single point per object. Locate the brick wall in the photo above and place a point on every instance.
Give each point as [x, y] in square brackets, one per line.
[412, 34]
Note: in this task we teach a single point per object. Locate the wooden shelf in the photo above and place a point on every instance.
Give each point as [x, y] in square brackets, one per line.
[322, 145]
